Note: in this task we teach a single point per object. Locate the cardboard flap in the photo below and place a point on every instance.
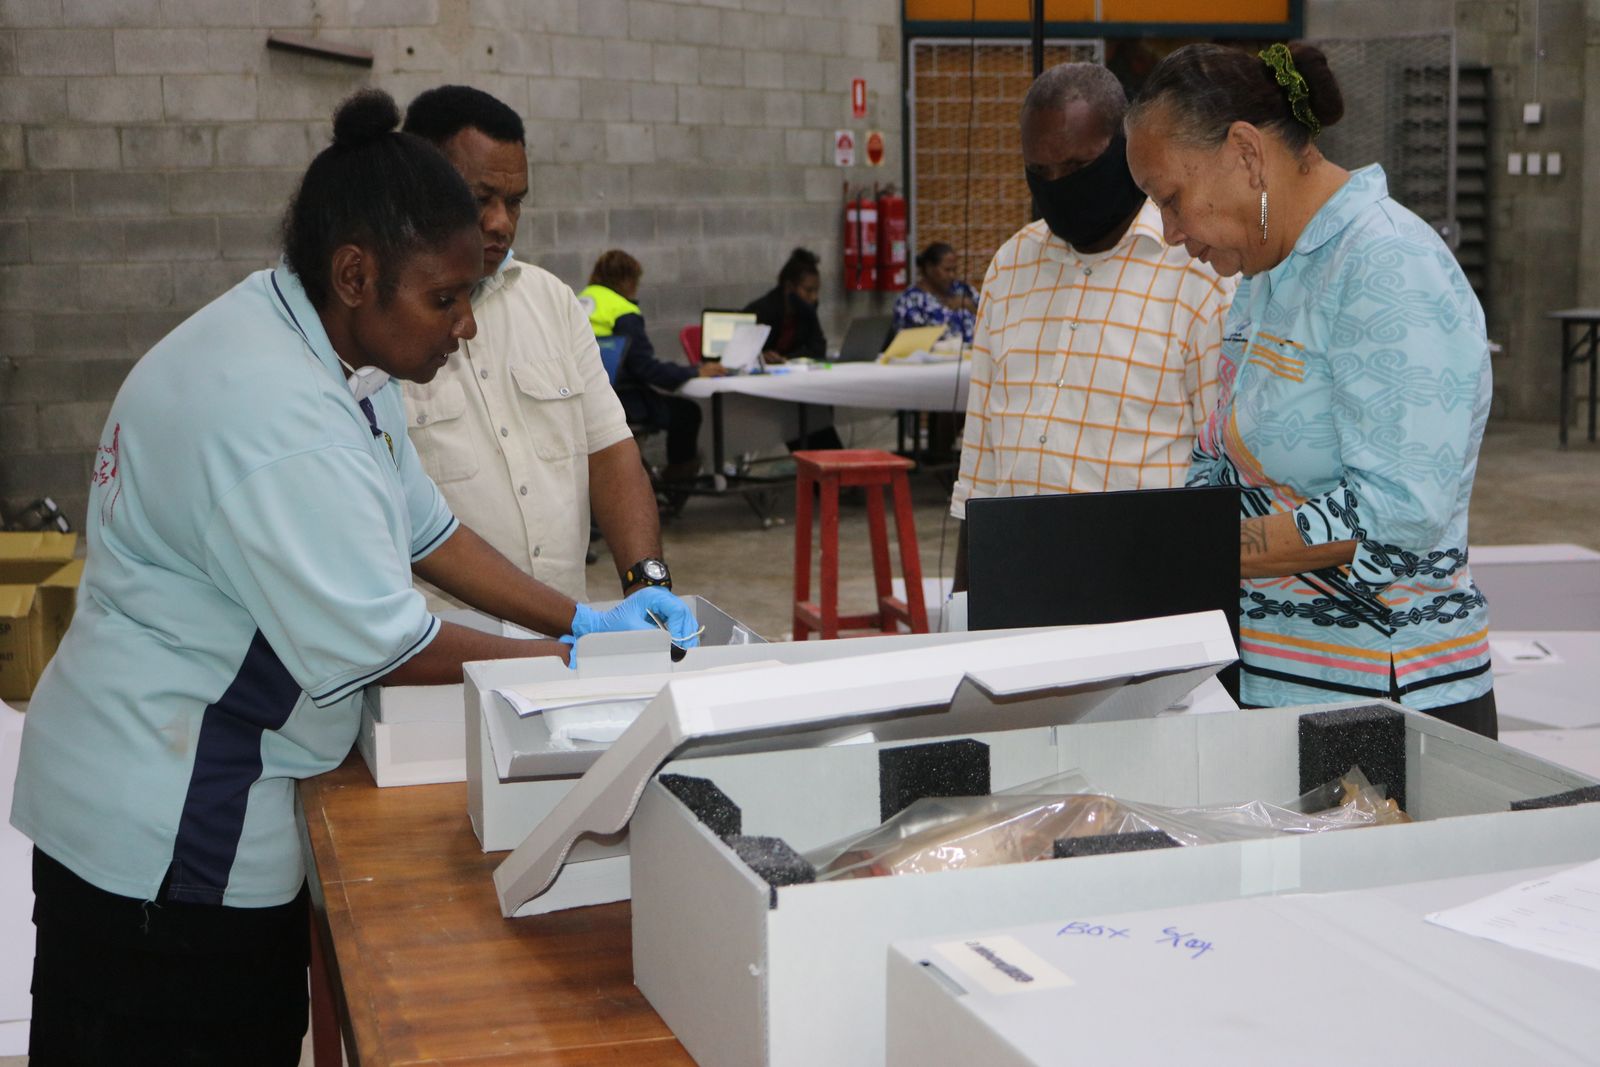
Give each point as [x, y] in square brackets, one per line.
[16, 601]
[988, 683]
[32, 557]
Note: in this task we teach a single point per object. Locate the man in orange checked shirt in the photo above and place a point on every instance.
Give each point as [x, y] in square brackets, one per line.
[1094, 361]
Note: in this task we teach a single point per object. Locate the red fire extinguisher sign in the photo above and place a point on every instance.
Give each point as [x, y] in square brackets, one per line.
[858, 97]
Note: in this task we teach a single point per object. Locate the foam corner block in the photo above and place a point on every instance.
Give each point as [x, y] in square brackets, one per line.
[1105, 844]
[773, 861]
[1372, 737]
[1587, 794]
[937, 769]
[708, 803]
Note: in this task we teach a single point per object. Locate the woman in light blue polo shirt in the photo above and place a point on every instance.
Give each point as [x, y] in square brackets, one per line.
[1355, 387]
[256, 516]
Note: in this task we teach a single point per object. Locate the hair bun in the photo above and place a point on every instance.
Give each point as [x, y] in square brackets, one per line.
[365, 117]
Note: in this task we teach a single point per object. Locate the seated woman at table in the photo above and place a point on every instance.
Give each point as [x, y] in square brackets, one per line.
[1355, 387]
[938, 298]
[791, 310]
[643, 381]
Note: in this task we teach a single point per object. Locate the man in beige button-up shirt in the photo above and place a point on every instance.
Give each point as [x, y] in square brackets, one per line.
[523, 432]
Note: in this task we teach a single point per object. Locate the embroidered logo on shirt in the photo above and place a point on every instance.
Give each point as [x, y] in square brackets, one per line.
[107, 464]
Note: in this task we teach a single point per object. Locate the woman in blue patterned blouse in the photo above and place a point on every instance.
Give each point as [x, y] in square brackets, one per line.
[1354, 388]
[939, 298]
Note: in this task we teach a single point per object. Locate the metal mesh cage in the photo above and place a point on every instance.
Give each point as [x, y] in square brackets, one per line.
[1400, 111]
[967, 187]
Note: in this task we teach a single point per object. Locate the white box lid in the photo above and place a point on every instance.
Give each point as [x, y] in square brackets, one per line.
[988, 683]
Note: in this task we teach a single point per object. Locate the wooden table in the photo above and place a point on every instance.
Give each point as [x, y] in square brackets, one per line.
[421, 968]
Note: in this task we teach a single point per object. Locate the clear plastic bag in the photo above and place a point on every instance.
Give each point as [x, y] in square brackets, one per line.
[1023, 824]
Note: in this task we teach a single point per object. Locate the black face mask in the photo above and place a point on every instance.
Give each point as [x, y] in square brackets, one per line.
[1088, 204]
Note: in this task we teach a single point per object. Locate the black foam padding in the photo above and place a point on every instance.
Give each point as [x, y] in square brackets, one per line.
[937, 769]
[1105, 844]
[709, 804]
[1587, 794]
[773, 861]
[1371, 737]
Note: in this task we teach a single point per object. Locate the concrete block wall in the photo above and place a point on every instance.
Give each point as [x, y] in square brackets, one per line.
[147, 148]
[1540, 227]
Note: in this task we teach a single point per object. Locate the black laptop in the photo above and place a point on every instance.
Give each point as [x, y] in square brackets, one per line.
[1079, 558]
[866, 338]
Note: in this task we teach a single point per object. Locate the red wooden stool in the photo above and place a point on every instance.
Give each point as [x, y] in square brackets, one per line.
[871, 470]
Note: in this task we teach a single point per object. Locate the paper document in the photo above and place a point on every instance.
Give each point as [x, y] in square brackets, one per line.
[1558, 916]
[911, 340]
[742, 353]
[1524, 653]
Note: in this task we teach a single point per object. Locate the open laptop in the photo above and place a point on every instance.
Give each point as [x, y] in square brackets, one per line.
[1080, 558]
[716, 329]
[866, 338]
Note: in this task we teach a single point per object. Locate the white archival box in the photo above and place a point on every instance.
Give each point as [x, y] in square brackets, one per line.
[516, 774]
[744, 973]
[412, 734]
[1305, 979]
[1539, 587]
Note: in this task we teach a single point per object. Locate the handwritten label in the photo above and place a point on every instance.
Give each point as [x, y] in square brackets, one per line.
[1185, 941]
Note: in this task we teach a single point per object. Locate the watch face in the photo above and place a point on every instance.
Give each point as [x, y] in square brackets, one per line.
[654, 570]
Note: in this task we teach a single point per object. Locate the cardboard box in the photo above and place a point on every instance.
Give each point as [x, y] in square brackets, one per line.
[747, 973]
[1335, 979]
[38, 590]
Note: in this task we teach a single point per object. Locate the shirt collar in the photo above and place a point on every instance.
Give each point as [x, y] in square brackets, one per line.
[503, 275]
[289, 297]
[1146, 226]
[1364, 188]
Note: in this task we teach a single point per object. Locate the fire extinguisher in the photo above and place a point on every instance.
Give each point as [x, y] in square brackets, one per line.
[860, 243]
[891, 241]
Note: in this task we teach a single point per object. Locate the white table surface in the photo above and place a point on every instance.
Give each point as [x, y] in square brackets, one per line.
[1563, 695]
[913, 387]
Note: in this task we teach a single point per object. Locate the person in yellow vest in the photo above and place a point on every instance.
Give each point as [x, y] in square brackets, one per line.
[643, 382]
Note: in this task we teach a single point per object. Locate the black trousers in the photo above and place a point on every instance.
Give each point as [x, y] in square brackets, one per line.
[678, 416]
[123, 981]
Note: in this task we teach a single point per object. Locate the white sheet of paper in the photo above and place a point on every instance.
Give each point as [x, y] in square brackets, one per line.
[1558, 916]
[1524, 653]
[743, 350]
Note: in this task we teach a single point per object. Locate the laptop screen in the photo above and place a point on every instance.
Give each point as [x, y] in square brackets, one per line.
[716, 327]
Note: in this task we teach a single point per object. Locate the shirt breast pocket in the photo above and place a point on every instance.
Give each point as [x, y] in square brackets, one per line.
[441, 433]
[552, 405]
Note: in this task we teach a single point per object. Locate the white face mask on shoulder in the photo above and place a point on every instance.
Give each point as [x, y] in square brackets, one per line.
[364, 382]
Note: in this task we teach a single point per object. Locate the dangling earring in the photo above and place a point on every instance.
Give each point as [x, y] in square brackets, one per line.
[1263, 216]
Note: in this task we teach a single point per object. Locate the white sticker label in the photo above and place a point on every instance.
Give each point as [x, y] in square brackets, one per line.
[1001, 965]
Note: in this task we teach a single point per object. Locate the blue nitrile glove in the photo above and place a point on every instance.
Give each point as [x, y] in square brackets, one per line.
[634, 614]
[572, 651]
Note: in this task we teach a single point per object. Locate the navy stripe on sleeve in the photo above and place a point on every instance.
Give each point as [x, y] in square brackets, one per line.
[227, 762]
[326, 697]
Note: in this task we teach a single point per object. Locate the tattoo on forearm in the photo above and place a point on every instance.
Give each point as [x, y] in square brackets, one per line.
[1253, 539]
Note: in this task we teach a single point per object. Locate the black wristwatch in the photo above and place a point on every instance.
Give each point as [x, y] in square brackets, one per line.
[648, 571]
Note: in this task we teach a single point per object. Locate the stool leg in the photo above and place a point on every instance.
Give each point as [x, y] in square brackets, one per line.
[803, 487]
[878, 536]
[910, 560]
[830, 557]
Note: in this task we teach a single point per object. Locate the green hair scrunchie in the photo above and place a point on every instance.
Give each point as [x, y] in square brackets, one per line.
[1282, 63]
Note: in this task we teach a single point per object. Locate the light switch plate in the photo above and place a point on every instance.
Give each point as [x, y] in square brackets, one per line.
[1535, 164]
[1513, 162]
[1532, 114]
[1552, 163]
